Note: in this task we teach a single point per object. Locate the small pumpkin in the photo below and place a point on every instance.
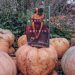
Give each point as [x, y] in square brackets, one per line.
[7, 66]
[7, 35]
[22, 40]
[61, 45]
[34, 61]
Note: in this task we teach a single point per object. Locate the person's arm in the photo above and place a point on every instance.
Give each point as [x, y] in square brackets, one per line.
[42, 23]
[32, 22]
[33, 25]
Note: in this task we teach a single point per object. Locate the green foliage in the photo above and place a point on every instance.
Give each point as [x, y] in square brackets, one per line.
[14, 22]
[55, 32]
[28, 16]
[17, 21]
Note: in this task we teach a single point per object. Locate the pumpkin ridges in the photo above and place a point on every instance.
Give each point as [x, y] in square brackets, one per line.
[6, 39]
[47, 63]
[54, 51]
[10, 38]
[9, 65]
[4, 46]
[29, 63]
[53, 57]
[51, 52]
[7, 35]
[3, 67]
[26, 63]
[12, 64]
[18, 57]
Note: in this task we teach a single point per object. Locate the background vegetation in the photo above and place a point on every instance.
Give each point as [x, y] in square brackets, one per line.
[14, 15]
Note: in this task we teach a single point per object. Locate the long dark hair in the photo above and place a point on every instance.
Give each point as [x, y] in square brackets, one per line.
[40, 11]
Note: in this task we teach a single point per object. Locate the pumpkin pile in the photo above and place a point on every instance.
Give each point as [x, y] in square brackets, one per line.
[30, 60]
[61, 44]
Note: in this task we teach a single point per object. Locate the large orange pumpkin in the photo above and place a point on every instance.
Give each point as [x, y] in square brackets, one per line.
[7, 66]
[34, 61]
[22, 40]
[4, 45]
[61, 45]
[68, 61]
[7, 35]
